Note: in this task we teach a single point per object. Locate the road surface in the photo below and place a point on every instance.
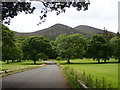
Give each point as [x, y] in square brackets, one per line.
[48, 76]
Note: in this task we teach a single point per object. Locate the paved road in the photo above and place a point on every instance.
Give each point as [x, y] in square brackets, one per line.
[48, 76]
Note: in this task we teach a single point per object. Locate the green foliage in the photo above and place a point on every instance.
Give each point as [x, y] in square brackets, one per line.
[72, 76]
[118, 34]
[7, 36]
[108, 35]
[68, 72]
[9, 49]
[53, 53]
[18, 66]
[58, 29]
[115, 42]
[42, 56]
[71, 46]
[59, 58]
[98, 48]
[34, 45]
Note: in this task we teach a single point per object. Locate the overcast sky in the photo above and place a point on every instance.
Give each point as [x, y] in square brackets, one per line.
[101, 13]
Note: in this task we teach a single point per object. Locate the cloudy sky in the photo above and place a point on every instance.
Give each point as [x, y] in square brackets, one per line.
[101, 13]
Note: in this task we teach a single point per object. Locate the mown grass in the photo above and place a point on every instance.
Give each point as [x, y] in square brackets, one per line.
[108, 71]
[16, 65]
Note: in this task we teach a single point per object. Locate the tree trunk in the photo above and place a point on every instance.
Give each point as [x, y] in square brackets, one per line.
[7, 61]
[105, 60]
[4, 60]
[119, 60]
[19, 60]
[12, 60]
[68, 61]
[34, 61]
[98, 60]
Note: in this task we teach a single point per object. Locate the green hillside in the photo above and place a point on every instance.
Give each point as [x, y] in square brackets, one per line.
[57, 29]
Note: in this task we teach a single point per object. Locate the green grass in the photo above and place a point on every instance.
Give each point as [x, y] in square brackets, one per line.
[17, 65]
[107, 70]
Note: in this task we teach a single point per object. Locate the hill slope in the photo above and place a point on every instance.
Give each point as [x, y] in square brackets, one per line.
[57, 29]
[88, 30]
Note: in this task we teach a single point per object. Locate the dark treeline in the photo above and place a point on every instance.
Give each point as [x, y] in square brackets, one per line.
[74, 46]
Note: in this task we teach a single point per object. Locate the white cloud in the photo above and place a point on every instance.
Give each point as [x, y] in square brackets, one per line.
[101, 13]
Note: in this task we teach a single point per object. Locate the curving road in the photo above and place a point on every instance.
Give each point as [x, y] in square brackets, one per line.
[48, 76]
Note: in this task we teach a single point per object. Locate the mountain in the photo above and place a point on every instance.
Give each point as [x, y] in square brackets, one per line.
[57, 29]
[88, 30]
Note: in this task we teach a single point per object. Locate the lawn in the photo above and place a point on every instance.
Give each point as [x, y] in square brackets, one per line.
[17, 65]
[108, 71]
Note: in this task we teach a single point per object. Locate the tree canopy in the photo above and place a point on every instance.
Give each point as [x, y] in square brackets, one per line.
[9, 49]
[35, 45]
[115, 42]
[71, 46]
[11, 9]
[98, 48]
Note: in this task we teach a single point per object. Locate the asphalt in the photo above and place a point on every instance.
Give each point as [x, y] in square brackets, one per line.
[48, 76]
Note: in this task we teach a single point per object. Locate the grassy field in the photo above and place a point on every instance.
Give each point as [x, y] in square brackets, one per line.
[17, 65]
[108, 71]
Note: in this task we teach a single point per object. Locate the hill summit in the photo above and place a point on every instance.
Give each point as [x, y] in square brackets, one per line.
[57, 29]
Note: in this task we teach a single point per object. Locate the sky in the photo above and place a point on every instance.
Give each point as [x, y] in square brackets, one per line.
[100, 14]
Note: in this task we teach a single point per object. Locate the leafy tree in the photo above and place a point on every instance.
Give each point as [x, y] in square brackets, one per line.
[71, 46]
[0, 50]
[60, 7]
[42, 56]
[115, 42]
[9, 49]
[11, 9]
[98, 48]
[107, 35]
[19, 53]
[18, 44]
[53, 53]
[7, 43]
[34, 45]
[118, 34]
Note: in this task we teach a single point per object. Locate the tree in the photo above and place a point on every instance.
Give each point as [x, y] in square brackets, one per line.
[42, 56]
[115, 42]
[53, 53]
[9, 49]
[118, 34]
[7, 44]
[18, 44]
[11, 9]
[34, 45]
[60, 7]
[71, 46]
[98, 48]
[107, 35]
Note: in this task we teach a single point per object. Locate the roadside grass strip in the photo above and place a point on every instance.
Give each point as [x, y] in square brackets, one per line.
[90, 73]
[16, 67]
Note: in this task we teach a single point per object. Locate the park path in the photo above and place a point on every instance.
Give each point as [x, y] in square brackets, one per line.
[48, 76]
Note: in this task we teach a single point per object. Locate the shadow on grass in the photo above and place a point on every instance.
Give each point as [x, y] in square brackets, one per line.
[31, 63]
[89, 63]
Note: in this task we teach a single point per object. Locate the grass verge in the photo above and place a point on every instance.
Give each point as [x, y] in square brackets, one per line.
[104, 75]
[19, 67]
